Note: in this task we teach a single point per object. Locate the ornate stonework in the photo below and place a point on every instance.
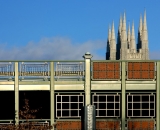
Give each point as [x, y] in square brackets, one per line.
[126, 47]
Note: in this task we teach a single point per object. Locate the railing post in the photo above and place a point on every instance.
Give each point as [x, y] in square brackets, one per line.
[87, 85]
[123, 99]
[52, 108]
[16, 89]
[158, 96]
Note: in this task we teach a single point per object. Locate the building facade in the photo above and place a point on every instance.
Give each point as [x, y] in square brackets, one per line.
[126, 47]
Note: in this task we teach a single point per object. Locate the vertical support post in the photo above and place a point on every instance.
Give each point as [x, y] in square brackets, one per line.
[158, 96]
[52, 93]
[123, 98]
[87, 57]
[16, 89]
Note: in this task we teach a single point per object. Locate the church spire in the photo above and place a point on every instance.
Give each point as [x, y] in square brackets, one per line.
[109, 34]
[140, 25]
[144, 29]
[113, 44]
[145, 48]
[129, 36]
[120, 24]
[124, 34]
[113, 33]
[133, 43]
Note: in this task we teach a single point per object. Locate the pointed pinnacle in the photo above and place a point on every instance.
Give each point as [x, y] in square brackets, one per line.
[140, 24]
[145, 21]
[129, 33]
[120, 23]
[113, 33]
[133, 43]
[109, 33]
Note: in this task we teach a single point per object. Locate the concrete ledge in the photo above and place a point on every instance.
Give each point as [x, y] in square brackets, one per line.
[140, 86]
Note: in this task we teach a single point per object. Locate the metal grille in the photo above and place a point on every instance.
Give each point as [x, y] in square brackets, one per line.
[34, 70]
[104, 70]
[68, 106]
[68, 70]
[107, 105]
[141, 105]
[6, 69]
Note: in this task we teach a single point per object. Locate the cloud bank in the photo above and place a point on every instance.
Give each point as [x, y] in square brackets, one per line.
[58, 48]
[55, 48]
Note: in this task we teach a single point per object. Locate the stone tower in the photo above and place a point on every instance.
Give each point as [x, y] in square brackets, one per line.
[126, 47]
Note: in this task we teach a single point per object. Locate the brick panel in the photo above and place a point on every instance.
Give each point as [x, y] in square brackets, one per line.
[102, 125]
[68, 125]
[140, 125]
[105, 70]
[141, 70]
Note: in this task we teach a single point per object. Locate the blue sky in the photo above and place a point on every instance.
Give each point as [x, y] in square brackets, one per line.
[66, 29]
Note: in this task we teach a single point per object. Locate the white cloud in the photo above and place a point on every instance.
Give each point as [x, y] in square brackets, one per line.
[55, 48]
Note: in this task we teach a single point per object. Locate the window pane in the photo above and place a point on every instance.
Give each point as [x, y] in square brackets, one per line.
[145, 112]
[129, 105]
[80, 105]
[151, 105]
[95, 98]
[152, 113]
[129, 98]
[65, 105]
[136, 105]
[74, 112]
[136, 112]
[151, 97]
[102, 98]
[74, 106]
[102, 105]
[129, 112]
[136, 98]
[145, 105]
[110, 112]
[80, 98]
[116, 105]
[110, 98]
[117, 113]
[58, 98]
[102, 112]
[110, 105]
[117, 99]
[65, 113]
[145, 98]
[65, 98]
[58, 113]
[74, 98]
[58, 105]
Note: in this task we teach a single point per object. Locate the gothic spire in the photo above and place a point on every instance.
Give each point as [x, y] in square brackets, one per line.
[113, 33]
[120, 24]
[124, 34]
[144, 29]
[113, 44]
[129, 36]
[109, 34]
[140, 25]
[133, 43]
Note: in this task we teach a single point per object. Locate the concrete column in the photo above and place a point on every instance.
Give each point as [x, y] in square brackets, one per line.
[52, 93]
[158, 96]
[16, 89]
[123, 98]
[87, 86]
